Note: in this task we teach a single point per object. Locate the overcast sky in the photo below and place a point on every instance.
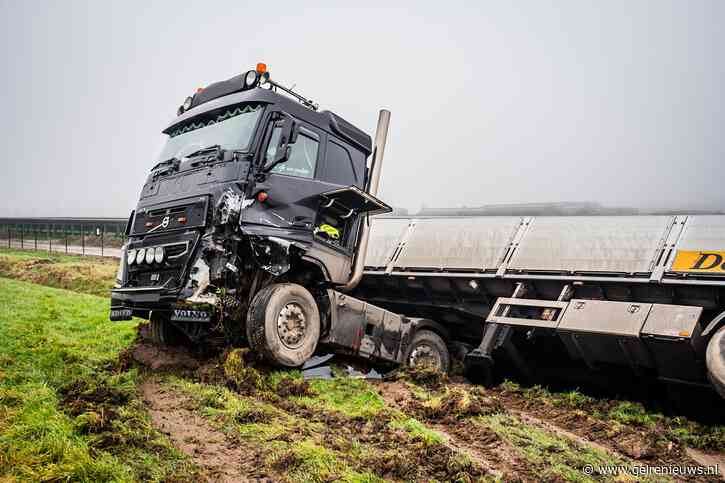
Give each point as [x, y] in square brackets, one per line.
[617, 102]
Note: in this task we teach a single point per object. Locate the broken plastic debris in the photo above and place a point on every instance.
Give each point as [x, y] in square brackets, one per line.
[371, 374]
[320, 372]
[315, 361]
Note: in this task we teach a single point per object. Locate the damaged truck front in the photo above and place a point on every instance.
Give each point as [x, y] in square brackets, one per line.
[254, 222]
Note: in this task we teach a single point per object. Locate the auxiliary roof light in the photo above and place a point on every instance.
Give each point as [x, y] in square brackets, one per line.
[250, 79]
[261, 67]
[187, 103]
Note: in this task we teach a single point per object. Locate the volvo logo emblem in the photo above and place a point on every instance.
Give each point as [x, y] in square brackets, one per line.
[165, 222]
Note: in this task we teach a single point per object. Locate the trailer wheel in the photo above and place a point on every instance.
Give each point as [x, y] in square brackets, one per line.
[283, 324]
[715, 358]
[428, 349]
[163, 332]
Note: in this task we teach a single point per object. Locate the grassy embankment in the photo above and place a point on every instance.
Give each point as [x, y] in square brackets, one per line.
[90, 275]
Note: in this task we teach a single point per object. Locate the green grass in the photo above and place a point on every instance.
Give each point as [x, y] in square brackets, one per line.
[418, 430]
[91, 275]
[558, 457]
[351, 397]
[65, 413]
[313, 463]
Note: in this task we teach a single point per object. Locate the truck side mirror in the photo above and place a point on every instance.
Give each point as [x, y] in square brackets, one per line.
[286, 126]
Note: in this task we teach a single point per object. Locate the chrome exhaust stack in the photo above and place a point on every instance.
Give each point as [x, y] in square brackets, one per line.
[376, 164]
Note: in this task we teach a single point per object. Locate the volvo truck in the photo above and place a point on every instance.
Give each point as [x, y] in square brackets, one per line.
[254, 224]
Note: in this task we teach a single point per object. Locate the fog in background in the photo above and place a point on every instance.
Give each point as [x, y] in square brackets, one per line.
[616, 102]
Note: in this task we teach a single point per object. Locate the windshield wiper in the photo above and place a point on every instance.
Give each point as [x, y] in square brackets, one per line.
[222, 155]
[169, 161]
[215, 147]
[172, 163]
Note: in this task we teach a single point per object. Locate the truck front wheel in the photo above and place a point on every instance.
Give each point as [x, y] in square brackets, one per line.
[163, 332]
[428, 349]
[715, 358]
[283, 324]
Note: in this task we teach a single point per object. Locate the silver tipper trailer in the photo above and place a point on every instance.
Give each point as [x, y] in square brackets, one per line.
[559, 293]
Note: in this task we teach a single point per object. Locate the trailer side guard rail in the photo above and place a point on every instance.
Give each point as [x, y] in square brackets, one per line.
[644, 249]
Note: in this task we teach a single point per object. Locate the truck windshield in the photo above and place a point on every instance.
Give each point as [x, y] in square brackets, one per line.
[230, 128]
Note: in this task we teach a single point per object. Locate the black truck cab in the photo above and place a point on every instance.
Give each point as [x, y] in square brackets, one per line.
[256, 211]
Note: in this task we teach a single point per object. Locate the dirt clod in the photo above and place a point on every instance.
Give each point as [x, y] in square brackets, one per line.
[423, 375]
[163, 358]
[455, 404]
[82, 395]
[239, 373]
[287, 387]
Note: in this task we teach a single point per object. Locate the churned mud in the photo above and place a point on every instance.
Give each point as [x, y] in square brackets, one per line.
[471, 433]
[163, 359]
[450, 416]
[479, 442]
[222, 460]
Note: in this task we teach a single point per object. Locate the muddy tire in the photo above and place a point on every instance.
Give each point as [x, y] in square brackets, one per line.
[283, 324]
[715, 358]
[163, 332]
[428, 348]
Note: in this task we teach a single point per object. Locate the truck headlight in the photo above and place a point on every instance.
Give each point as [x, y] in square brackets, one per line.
[131, 256]
[159, 254]
[150, 255]
[121, 269]
[140, 254]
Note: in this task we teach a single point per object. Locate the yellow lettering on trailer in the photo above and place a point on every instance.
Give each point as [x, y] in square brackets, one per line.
[699, 261]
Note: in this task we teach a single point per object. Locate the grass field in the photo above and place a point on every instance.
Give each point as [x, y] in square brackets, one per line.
[77, 403]
[91, 275]
[66, 413]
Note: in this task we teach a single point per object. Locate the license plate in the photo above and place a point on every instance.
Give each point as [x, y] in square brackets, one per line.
[190, 315]
[120, 314]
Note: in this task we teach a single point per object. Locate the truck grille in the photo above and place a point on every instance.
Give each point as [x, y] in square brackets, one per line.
[178, 248]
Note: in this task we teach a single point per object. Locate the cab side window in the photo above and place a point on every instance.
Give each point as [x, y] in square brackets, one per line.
[339, 166]
[302, 159]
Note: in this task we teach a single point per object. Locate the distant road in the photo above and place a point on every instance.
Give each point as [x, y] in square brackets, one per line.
[60, 247]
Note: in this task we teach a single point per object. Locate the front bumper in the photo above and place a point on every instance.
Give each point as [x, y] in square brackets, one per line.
[139, 302]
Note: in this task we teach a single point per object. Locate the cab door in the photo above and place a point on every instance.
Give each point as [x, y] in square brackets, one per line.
[343, 167]
[292, 186]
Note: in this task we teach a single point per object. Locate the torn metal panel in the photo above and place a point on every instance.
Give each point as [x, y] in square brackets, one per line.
[199, 280]
[271, 254]
[229, 207]
[368, 331]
